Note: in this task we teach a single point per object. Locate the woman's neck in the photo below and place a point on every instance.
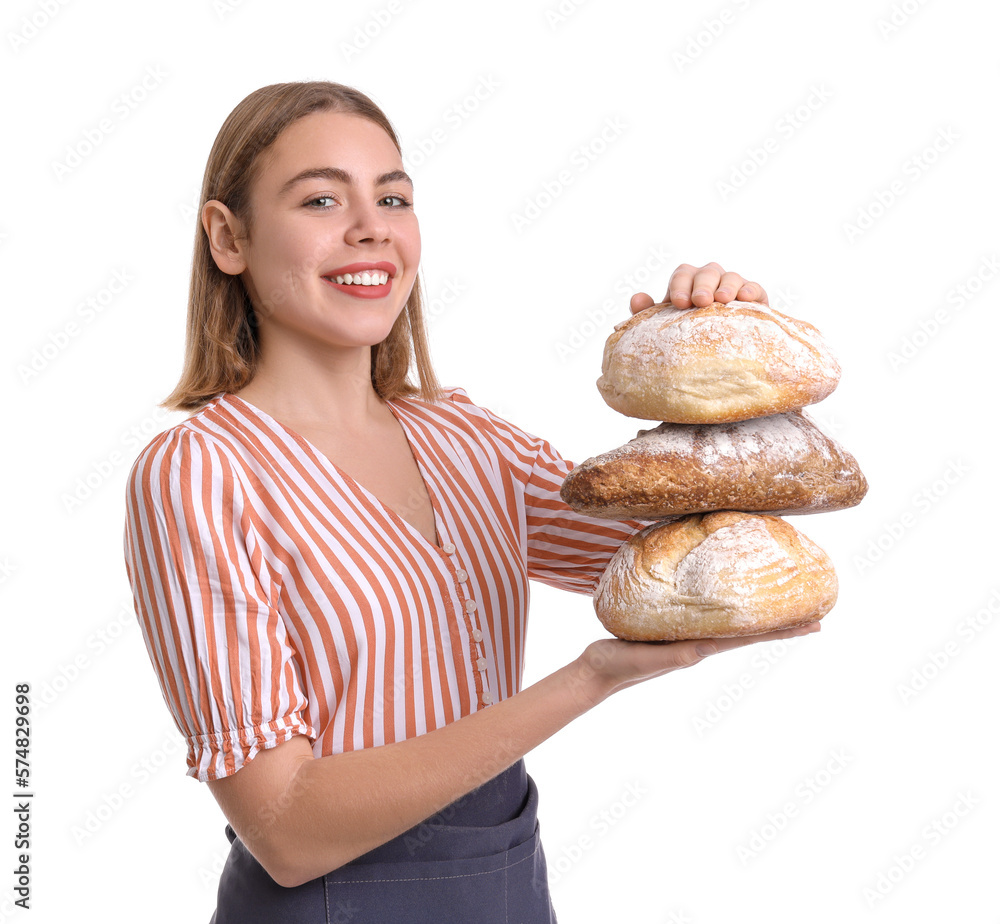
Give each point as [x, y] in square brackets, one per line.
[338, 396]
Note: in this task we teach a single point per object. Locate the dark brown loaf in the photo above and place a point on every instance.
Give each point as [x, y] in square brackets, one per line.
[714, 575]
[782, 464]
[720, 363]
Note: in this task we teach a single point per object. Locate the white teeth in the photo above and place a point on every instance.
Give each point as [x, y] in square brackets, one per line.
[366, 278]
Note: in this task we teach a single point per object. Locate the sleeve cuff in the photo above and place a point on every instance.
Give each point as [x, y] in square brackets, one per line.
[221, 754]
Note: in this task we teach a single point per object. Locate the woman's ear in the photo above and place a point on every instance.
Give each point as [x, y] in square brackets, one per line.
[225, 237]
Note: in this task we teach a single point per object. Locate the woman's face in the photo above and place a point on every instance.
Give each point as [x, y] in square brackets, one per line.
[332, 211]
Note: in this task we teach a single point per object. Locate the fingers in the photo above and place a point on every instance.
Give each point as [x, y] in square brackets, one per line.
[729, 285]
[751, 292]
[619, 664]
[689, 286]
[681, 286]
[640, 301]
[697, 287]
[705, 646]
[704, 284]
[690, 651]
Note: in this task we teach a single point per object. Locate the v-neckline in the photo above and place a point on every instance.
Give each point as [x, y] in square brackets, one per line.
[358, 487]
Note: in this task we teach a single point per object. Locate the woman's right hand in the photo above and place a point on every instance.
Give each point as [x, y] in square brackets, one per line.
[609, 665]
[696, 287]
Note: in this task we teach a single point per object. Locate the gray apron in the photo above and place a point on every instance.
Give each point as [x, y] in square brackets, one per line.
[478, 860]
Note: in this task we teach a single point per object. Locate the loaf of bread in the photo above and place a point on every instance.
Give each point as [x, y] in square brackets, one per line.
[720, 363]
[782, 464]
[714, 575]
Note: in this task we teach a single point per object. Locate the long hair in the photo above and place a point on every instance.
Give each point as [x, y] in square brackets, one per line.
[222, 347]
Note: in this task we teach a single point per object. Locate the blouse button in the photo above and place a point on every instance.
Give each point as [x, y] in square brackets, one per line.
[448, 548]
[462, 576]
[487, 697]
[477, 635]
[470, 606]
[481, 664]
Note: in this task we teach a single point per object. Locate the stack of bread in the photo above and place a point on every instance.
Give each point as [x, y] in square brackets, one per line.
[734, 452]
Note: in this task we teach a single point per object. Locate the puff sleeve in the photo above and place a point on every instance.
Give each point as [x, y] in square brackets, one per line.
[565, 549]
[206, 605]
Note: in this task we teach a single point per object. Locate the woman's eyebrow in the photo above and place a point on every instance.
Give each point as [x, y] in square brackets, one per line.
[338, 175]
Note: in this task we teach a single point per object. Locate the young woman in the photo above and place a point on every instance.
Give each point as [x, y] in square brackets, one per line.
[330, 564]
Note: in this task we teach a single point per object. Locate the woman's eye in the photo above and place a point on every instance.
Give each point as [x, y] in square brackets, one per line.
[325, 202]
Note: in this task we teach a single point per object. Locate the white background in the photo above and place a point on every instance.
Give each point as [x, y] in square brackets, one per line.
[582, 155]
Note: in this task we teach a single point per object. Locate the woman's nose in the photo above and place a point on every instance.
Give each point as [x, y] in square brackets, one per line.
[368, 224]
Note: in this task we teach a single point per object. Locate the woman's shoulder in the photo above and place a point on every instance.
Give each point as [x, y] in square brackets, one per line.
[453, 408]
[455, 399]
[200, 436]
[487, 424]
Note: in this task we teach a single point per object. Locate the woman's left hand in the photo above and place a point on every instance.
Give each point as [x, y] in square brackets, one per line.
[690, 287]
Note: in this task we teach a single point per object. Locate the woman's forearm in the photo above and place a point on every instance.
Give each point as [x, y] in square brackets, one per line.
[338, 807]
[304, 816]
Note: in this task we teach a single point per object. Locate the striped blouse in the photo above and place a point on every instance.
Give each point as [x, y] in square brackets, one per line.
[278, 597]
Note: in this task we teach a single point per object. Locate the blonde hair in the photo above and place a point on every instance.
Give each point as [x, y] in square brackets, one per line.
[221, 346]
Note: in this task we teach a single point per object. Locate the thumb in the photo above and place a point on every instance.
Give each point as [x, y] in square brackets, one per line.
[640, 301]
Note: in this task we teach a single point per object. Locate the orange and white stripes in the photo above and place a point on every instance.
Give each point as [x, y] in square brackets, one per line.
[278, 597]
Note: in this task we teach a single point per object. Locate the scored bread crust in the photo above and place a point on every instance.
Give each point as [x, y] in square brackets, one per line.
[782, 464]
[718, 575]
[717, 364]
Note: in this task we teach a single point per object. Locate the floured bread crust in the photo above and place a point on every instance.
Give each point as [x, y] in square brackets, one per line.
[781, 464]
[717, 364]
[714, 575]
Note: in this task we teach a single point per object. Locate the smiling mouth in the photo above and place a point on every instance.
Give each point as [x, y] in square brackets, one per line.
[364, 278]
[379, 284]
